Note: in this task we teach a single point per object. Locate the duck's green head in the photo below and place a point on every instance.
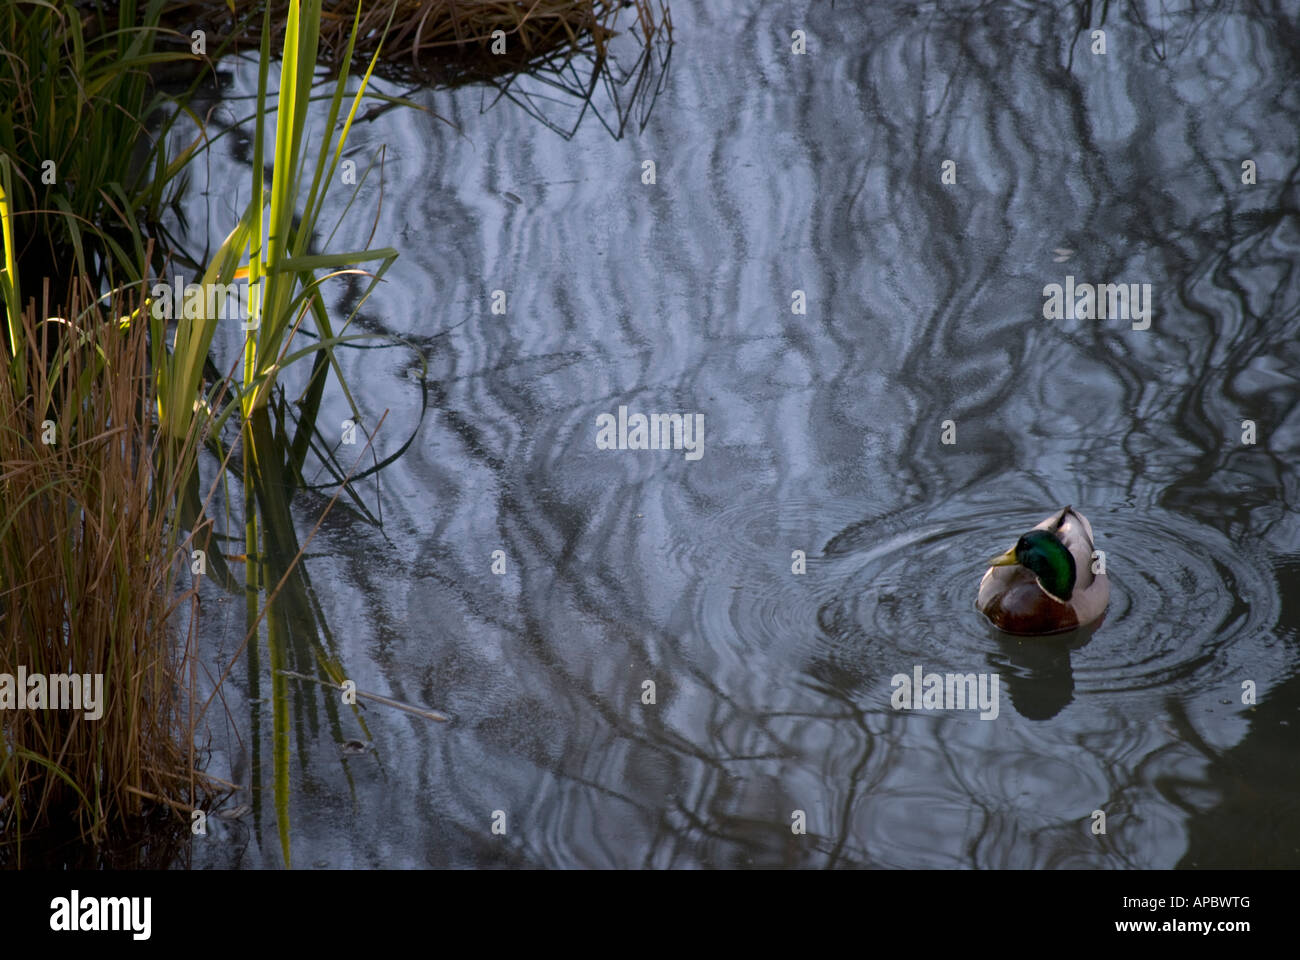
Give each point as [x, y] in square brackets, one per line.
[1043, 553]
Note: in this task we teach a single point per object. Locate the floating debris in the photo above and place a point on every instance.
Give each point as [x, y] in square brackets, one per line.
[234, 813]
[437, 715]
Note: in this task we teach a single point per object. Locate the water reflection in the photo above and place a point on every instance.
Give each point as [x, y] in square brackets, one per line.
[823, 435]
[1038, 672]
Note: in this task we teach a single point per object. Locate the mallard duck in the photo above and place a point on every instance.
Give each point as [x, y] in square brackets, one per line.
[1045, 583]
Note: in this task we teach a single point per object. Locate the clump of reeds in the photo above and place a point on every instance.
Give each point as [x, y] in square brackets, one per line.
[83, 130]
[91, 575]
[92, 526]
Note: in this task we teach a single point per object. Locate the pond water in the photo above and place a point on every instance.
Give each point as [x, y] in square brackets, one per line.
[823, 432]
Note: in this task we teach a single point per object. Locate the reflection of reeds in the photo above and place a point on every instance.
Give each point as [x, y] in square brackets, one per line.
[90, 582]
[442, 41]
[578, 70]
[559, 46]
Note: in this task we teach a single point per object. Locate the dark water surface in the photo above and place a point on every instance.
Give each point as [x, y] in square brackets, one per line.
[822, 433]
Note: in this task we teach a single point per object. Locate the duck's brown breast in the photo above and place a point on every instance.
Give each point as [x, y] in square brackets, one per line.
[1022, 606]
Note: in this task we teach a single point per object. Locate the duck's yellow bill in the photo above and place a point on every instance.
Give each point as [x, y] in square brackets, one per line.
[1005, 559]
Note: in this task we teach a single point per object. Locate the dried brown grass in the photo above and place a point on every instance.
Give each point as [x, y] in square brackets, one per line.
[91, 577]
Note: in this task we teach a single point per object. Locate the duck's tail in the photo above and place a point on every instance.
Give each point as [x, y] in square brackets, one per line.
[1060, 517]
[1079, 518]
